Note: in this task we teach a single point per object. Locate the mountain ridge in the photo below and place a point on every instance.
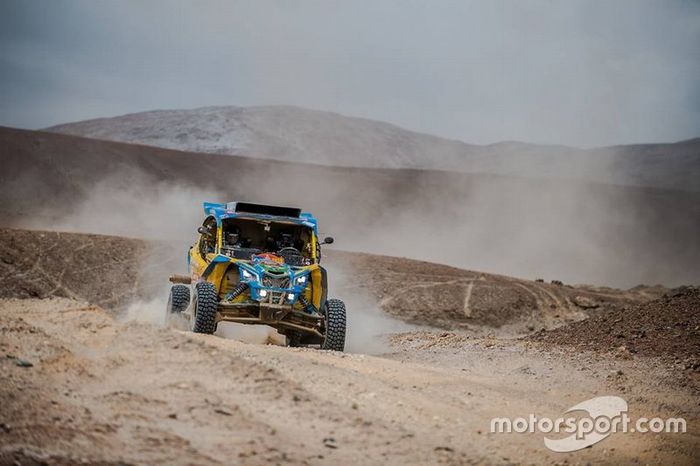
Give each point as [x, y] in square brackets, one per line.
[294, 134]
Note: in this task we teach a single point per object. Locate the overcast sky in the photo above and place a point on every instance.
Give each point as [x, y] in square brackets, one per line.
[582, 73]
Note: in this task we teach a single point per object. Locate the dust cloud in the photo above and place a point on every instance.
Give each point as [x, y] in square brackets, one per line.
[367, 324]
[132, 204]
[560, 229]
[578, 233]
[556, 229]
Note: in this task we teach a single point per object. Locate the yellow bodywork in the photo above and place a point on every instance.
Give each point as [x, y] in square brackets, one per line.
[221, 274]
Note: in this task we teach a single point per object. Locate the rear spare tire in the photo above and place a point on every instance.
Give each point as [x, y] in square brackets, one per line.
[334, 311]
[179, 299]
[205, 303]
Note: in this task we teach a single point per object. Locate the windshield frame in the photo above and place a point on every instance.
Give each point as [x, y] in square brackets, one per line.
[271, 227]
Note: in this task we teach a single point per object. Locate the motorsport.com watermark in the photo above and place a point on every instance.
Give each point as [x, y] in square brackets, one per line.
[605, 415]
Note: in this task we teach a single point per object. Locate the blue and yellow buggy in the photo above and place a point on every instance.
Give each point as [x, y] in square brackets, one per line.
[259, 264]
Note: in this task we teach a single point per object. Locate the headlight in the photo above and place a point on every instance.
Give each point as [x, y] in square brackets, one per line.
[263, 293]
[301, 280]
[290, 296]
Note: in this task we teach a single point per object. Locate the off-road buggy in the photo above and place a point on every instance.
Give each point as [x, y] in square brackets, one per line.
[259, 264]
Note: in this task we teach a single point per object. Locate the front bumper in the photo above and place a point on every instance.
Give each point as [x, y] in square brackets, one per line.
[274, 315]
[276, 296]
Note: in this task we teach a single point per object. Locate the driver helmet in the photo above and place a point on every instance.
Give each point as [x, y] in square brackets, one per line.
[286, 240]
[233, 236]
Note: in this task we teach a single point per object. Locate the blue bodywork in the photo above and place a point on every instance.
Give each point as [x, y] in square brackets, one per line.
[253, 271]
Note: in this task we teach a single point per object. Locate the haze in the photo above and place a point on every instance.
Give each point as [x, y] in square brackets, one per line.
[583, 73]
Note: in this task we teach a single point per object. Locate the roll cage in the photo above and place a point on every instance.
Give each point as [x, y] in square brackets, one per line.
[257, 234]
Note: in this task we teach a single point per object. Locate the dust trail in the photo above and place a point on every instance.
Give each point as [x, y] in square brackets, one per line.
[258, 334]
[135, 205]
[367, 324]
[151, 311]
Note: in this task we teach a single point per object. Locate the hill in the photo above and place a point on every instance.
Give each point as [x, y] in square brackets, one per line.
[554, 229]
[294, 134]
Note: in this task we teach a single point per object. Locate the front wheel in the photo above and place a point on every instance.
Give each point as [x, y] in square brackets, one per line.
[334, 311]
[206, 302]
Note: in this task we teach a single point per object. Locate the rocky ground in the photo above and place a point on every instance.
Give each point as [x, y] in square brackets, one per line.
[79, 387]
[425, 293]
[112, 272]
[667, 328]
[86, 377]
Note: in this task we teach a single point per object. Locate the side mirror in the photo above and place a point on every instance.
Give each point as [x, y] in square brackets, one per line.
[203, 231]
[327, 240]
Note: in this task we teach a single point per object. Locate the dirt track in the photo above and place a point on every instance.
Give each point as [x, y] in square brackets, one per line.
[101, 391]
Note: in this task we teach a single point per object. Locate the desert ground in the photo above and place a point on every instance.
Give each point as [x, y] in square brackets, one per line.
[440, 339]
[91, 375]
[503, 199]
